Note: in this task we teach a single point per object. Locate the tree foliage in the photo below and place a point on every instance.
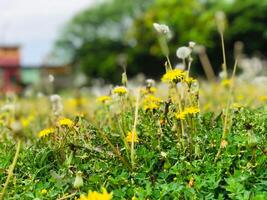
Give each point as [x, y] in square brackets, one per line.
[95, 39]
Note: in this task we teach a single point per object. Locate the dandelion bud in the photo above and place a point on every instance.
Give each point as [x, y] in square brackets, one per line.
[43, 192]
[124, 79]
[220, 21]
[183, 52]
[78, 182]
[161, 28]
[191, 182]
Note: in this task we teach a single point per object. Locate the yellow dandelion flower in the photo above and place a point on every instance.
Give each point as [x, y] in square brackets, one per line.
[180, 116]
[151, 98]
[173, 76]
[148, 90]
[80, 114]
[134, 198]
[25, 121]
[226, 82]
[132, 135]
[120, 90]
[66, 122]
[93, 195]
[150, 106]
[192, 110]
[76, 102]
[236, 106]
[240, 97]
[43, 192]
[46, 132]
[103, 99]
[151, 102]
[152, 90]
[263, 98]
[189, 80]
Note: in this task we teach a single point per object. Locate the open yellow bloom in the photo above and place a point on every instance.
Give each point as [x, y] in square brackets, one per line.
[180, 116]
[93, 195]
[189, 80]
[132, 135]
[46, 132]
[120, 90]
[103, 99]
[66, 122]
[149, 90]
[191, 110]
[151, 102]
[187, 111]
[26, 121]
[226, 82]
[173, 76]
[263, 98]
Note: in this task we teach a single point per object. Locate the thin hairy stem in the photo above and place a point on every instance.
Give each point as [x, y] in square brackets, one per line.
[10, 170]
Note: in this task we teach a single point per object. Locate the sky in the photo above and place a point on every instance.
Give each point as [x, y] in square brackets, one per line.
[35, 24]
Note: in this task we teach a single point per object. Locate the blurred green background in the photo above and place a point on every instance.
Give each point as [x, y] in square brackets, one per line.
[101, 39]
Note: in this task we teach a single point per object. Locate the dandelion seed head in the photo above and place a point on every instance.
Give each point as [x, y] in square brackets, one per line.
[192, 44]
[183, 52]
[161, 28]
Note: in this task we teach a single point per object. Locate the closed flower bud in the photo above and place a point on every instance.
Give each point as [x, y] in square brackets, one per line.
[220, 21]
[78, 182]
[124, 79]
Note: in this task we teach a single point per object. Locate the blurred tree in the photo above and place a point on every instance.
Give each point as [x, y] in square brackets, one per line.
[188, 21]
[247, 23]
[95, 40]
[96, 37]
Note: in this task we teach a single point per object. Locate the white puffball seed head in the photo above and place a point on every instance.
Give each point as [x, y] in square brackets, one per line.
[183, 52]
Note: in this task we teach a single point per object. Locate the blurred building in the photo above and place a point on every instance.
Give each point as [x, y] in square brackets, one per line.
[14, 77]
[10, 65]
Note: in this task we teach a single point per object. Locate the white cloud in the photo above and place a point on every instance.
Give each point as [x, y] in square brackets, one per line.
[34, 24]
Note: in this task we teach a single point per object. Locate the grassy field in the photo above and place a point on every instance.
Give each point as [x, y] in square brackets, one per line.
[179, 138]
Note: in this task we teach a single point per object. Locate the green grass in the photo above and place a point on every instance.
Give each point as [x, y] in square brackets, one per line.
[239, 173]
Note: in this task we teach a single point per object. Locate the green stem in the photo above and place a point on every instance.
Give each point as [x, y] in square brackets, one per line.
[225, 126]
[11, 169]
[180, 110]
[114, 149]
[224, 66]
[169, 62]
[134, 130]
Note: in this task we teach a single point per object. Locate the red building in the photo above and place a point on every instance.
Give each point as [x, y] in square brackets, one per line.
[10, 68]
